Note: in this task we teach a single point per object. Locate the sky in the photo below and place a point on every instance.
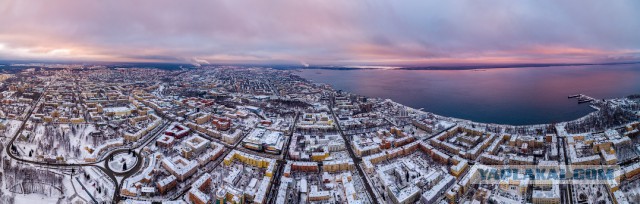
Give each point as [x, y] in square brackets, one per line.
[322, 32]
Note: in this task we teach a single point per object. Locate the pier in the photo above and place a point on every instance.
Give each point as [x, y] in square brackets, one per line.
[582, 98]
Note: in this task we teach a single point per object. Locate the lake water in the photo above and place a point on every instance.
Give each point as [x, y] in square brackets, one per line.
[508, 96]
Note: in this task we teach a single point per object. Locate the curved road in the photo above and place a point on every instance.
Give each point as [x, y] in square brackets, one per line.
[108, 172]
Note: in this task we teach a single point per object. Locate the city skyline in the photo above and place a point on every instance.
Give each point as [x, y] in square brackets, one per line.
[341, 33]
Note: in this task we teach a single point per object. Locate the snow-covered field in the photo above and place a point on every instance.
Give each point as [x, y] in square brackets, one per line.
[12, 127]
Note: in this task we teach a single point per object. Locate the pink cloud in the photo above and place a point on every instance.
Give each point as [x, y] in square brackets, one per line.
[328, 32]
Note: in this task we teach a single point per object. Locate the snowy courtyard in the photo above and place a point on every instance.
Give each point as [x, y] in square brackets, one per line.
[122, 162]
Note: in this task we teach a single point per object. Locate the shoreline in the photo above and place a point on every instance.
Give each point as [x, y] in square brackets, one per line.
[523, 104]
[595, 110]
[457, 120]
[461, 120]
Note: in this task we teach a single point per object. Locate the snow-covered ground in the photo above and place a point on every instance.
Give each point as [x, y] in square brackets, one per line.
[120, 160]
[50, 195]
[97, 179]
[34, 199]
[12, 127]
[65, 140]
